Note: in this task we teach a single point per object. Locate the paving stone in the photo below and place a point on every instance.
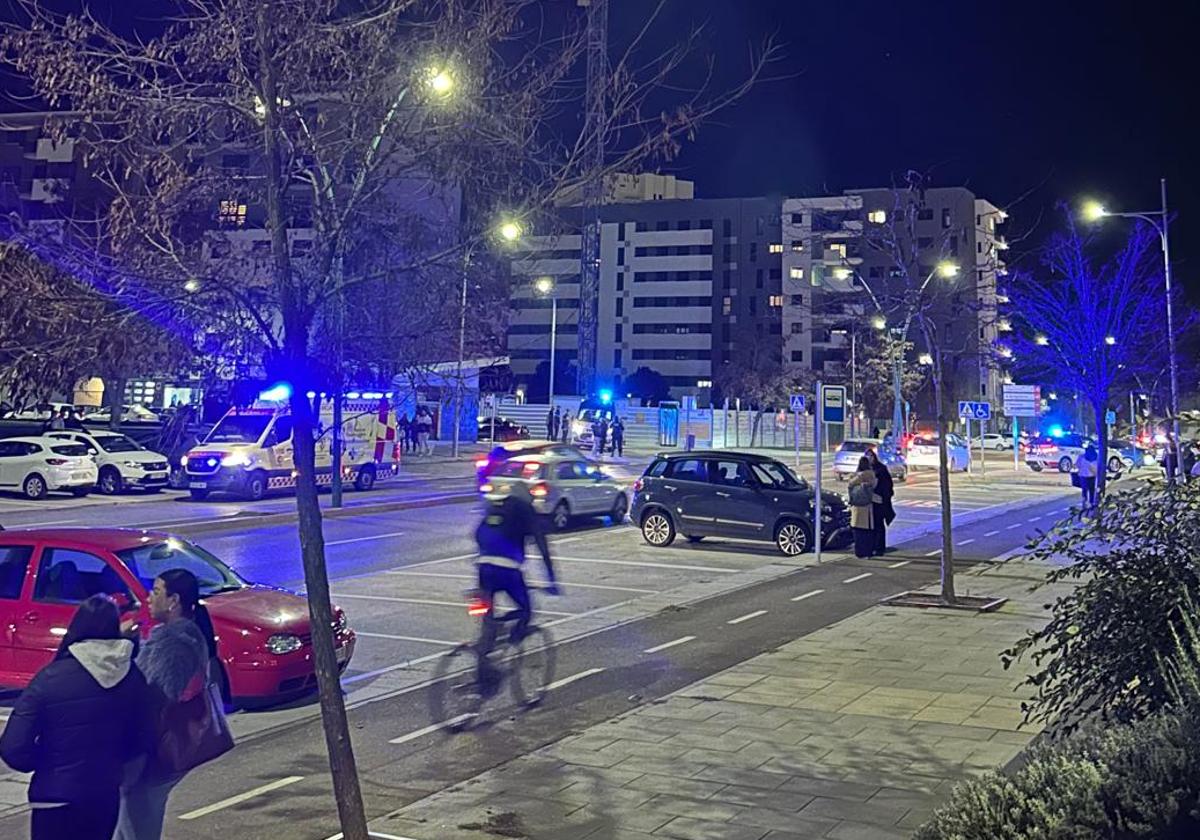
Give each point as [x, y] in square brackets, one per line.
[861, 831]
[863, 812]
[682, 806]
[695, 788]
[685, 828]
[742, 777]
[831, 788]
[761, 797]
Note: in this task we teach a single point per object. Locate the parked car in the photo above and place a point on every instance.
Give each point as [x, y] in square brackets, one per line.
[264, 638]
[845, 460]
[996, 441]
[506, 430]
[489, 463]
[581, 425]
[1059, 453]
[562, 486]
[733, 494]
[1127, 455]
[35, 466]
[923, 452]
[130, 414]
[40, 412]
[122, 462]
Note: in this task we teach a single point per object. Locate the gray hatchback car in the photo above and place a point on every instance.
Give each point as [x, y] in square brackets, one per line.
[736, 495]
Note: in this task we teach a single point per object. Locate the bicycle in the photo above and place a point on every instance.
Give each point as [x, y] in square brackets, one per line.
[464, 680]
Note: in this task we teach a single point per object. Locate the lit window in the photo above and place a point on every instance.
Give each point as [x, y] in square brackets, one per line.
[796, 272]
[726, 305]
[231, 213]
[775, 248]
[776, 300]
[797, 245]
[838, 248]
[877, 217]
[703, 383]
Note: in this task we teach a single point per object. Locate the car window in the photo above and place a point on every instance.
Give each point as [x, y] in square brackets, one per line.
[923, 442]
[728, 473]
[688, 469]
[569, 470]
[71, 449]
[116, 443]
[11, 449]
[69, 576]
[147, 562]
[520, 469]
[283, 430]
[856, 446]
[657, 468]
[14, 560]
[776, 475]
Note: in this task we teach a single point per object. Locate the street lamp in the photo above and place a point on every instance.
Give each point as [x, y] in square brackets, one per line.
[1093, 211]
[510, 230]
[545, 286]
[879, 322]
[1110, 340]
[440, 80]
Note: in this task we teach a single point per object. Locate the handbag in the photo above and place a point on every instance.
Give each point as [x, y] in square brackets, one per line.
[861, 495]
[1076, 481]
[193, 730]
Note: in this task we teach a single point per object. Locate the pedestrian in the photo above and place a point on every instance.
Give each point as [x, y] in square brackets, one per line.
[57, 421]
[424, 430]
[550, 428]
[566, 427]
[402, 430]
[81, 718]
[1189, 460]
[72, 419]
[412, 434]
[882, 511]
[596, 444]
[175, 662]
[1086, 467]
[862, 507]
[618, 437]
[603, 434]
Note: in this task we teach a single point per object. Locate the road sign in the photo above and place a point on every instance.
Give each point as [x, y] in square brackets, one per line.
[1022, 400]
[974, 410]
[1110, 417]
[798, 403]
[833, 403]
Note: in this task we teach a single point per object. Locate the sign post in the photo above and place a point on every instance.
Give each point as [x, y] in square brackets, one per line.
[818, 422]
[797, 403]
[968, 411]
[1021, 401]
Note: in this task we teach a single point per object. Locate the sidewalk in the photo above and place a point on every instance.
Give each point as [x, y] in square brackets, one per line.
[855, 731]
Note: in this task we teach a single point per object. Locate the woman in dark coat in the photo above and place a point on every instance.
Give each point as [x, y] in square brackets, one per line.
[884, 512]
[862, 512]
[81, 718]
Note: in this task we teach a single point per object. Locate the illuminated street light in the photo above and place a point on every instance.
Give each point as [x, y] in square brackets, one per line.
[879, 322]
[947, 269]
[1053, 395]
[1110, 340]
[440, 81]
[544, 285]
[510, 231]
[925, 359]
[1093, 211]
[842, 273]
[191, 286]
[1041, 340]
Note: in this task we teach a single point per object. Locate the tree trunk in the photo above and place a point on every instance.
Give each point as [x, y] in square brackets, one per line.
[114, 396]
[1100, 408]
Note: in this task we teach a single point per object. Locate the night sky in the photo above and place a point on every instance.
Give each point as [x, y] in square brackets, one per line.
[1028, 104]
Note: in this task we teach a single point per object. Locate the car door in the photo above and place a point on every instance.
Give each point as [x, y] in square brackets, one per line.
[736, 505]
[573, 484]
[14, 569]
[685, 487]
[10, 453]
[65, 578]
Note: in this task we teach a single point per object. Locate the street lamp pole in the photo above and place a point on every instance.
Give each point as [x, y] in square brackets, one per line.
[545, 286]
[462, 349]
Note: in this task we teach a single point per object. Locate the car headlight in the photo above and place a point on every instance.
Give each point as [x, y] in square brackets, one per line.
[282, 643]
[131, 463]
[236, 459]
[183, 460]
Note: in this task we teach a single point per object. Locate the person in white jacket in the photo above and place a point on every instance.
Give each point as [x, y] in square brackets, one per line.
[1086, 465]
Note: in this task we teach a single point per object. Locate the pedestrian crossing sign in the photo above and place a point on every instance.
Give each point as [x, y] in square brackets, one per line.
[798, 403]
[974, 410]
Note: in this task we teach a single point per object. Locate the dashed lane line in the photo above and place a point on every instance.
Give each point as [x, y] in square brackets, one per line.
[1014, 525]
[683, 640]
[807, 595]
[428, 730]
[991, 533]
[565, 681]
[966, 541]
[365, 539]
[899, 565]
[645, 565]
[565, 583]
[240, 798]
[424, 601]
[933, 553]
[858, 577]
[746, 617]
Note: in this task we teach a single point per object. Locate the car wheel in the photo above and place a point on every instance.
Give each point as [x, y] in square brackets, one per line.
[1115, 464]
[658, 529]
[1064, 464]
[34, 487]
[1035, 466]
[903, 479]
[198, 495]
[256, 487]
[365, 479]
[792, 538]
[620, 508]
[80, 492]
[110, 482]
[560, 517]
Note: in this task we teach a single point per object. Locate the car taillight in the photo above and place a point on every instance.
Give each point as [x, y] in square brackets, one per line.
[638, 485]
[539, 491]
[56, 462]
[481, 463]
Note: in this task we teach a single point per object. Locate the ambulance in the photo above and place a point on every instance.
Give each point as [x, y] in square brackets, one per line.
[249, 451]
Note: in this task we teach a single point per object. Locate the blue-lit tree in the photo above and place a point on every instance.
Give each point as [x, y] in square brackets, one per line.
[1090, 320]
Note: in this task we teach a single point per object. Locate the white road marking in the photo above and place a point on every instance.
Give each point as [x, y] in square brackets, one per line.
[901, 564]
[808, 594]
[374, 835]
[45, 524]
[933, 553]
[241, 797]
[426, 601]
[857, 577]
[365, 539]
[1035, 519]
[1015, 525]
[405, 638]
[746, 617]
[427, 730]
[721, 569]
[991, 533]
[565, 681]
[965, 542]
[565, 540]
[399, 666]
[680, 641]
[563, 582]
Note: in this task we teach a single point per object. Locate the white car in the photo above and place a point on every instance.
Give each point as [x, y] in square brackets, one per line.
[41, 411]
[122, 462]
[992, 440]
[923, 452]
[1058, 453]
[130, 414]
[845, 460]
[562, 487]
[34, 466]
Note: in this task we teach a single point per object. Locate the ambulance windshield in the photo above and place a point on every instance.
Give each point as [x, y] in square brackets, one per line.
[239, 428]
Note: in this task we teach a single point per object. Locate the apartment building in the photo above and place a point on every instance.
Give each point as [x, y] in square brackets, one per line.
[684, 286]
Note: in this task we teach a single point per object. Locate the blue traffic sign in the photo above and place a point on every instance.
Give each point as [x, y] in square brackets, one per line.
[974, 410]
[833, 403]
[798, 403]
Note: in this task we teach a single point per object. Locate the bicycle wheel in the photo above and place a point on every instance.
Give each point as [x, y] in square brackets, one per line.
[532, 667]
[455, 696]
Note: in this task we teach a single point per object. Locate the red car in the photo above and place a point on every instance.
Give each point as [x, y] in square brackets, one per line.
[264, 642]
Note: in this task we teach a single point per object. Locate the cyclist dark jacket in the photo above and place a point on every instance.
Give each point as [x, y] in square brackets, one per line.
[505, 528]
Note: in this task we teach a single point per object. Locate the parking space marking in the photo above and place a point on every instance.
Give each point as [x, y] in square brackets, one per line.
[442, 642]
[426, 601]
[808, 595]
[645, 565]
[565, 681]
[1015, 525]
[746, 617]
[365, 539]
[427, 730]
[1035, 519]
[563, 582]
[991, 533]
[933, 553]
[239, 798]
[966, 541]
[857, 577]
[899, 565]
[680, 641]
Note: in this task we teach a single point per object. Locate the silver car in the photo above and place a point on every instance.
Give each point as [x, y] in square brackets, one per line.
[563, 487]
[845, 461]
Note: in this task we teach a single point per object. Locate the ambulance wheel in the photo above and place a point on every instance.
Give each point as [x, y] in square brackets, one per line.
[256, 486]
[365, 479]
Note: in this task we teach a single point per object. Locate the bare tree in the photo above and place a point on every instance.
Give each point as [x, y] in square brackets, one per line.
[334, 117]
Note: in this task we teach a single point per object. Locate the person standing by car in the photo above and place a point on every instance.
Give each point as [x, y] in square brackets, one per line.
[81, 718]
[555, 423]
[566, 427]
[882, 511]
[402, 431]
[550, 430]
[862, 507]
[175, 661]
[618, 437]
[424, 423]
[1087, 475]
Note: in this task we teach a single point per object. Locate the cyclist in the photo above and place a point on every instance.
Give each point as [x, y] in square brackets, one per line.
[509, 522]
